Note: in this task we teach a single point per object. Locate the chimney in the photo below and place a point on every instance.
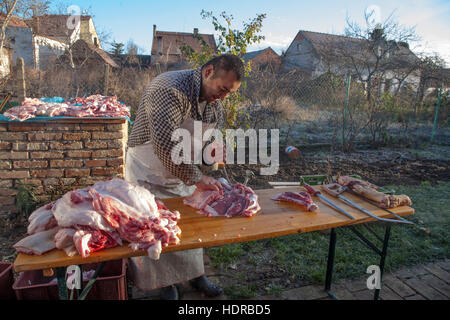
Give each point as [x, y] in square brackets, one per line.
[154, 30]
[195, 31]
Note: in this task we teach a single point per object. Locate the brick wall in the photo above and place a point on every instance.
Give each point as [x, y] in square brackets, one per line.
[59, 155]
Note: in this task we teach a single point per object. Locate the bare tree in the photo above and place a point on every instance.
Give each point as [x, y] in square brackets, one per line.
[7, 8]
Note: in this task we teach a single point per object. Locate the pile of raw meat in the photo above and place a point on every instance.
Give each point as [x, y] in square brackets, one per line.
[235, 200]
[102, 216]
[92, 106]
[302, 199]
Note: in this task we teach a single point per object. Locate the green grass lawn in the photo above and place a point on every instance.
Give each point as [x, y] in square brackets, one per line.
[304, 256]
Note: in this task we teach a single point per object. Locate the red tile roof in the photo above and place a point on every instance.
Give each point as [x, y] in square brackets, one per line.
[14, 21]
[171, 42]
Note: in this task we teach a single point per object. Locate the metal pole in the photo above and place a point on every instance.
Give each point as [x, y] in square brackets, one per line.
[437, 111]
[62, 287]
[330, 262]
[347, 98]
[383, 257]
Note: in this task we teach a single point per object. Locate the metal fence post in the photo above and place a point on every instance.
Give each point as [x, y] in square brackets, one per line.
[347, 97]
[437, 111]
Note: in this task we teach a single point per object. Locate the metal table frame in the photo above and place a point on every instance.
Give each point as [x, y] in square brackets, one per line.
[381, 252]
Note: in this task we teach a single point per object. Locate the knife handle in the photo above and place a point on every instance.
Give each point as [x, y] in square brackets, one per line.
[310, 190]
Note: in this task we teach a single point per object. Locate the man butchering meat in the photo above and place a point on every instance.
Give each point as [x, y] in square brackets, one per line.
[177, 100]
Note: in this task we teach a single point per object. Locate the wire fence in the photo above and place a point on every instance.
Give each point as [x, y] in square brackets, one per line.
[339, 107]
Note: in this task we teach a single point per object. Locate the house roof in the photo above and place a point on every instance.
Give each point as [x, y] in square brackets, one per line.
[54, 25]
[13, 21]
[254, 54]
[171, 42]
[82, 49]
[324, 45]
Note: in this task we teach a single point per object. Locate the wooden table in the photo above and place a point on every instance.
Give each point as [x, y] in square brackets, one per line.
[276, 219]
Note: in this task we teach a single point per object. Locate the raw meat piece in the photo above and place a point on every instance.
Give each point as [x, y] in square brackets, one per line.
[236, 199]
[75, 208]
[301, 198]
[64, 238]
[141, 231]
[89, 240]
[142, 200]
[41, 219]
[368, 190]
[37, 243]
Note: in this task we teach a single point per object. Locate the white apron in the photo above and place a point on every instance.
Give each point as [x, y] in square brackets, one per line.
[143, 167]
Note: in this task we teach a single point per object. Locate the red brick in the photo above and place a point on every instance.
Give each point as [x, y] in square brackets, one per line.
[14, 136]
[6, 183]
[66, 145]
[61, 126]
[68, 181]
[30, 164]
[107, 171]
[95, 163]
[96, 144]
[93, 127]
[49, 173]
[115, 144]
[5, 145]
[89, 181]
[30, 146]
[13, 155]
[106, 135]
[14, 174]
[66, 163]
[70, 173]
[5, 164]
[46, 136]
[3, 127]
[114, 127]
[26, 127]
[107, 153]
[76, 136]
[6, 200]
[46, 155]
[4, 192]
[78, 154]
[51, 181]
[115, 162]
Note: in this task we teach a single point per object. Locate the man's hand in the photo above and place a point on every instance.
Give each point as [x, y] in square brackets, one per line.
[209, 183]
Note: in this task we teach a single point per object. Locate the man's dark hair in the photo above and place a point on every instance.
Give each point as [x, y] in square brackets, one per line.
[227, 62]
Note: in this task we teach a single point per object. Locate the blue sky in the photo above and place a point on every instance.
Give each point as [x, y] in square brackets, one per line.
[134, 19]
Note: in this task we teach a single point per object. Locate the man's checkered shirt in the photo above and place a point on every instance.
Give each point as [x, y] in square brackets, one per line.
[168, 100]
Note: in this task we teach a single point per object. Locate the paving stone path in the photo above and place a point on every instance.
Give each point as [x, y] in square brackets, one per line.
[422, 282]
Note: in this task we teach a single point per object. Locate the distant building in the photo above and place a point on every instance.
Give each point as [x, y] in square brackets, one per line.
[166, 45]
[58, 27]
[6, 56]
[319, 53]
[84, 54]
[263, 59]
[40, 40]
